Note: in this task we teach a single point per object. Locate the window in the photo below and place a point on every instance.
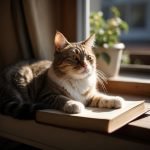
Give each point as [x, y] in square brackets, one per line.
[136, 13]
[137, 41]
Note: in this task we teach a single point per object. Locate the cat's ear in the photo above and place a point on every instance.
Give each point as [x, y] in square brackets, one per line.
[90, 41]
[60, 41]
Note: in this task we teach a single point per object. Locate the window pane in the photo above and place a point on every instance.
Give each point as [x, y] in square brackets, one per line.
[138, 16]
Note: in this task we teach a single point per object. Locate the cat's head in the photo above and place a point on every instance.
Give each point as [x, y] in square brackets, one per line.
[74, 60]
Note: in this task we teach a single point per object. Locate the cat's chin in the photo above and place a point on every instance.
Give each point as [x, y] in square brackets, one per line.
[80, 76]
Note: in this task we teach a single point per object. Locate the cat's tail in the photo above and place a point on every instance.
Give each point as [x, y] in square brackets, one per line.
[20, 110]
[13, 104]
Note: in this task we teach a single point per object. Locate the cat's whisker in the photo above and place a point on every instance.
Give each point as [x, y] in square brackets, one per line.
[103, 86]
[102, 80]
[102, 76]
[101, 73]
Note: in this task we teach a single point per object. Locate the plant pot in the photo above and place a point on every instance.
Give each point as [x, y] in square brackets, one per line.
[115, 53]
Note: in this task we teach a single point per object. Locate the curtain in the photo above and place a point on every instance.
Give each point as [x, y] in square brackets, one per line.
[41, 20]
[9, 47]
[28, 28]
[21, 29]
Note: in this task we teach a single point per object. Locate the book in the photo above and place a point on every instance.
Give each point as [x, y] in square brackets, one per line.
[94, 119]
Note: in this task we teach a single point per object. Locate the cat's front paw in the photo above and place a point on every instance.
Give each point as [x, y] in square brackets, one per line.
[112, 102]
[73, 107]
[118, 102]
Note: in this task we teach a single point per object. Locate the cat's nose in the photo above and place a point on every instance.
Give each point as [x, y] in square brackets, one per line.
[84, 65]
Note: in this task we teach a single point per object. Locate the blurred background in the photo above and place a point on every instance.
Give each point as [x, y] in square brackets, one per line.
[137, 14]
[27, 27]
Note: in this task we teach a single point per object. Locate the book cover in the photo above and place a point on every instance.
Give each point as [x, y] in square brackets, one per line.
[96, 119]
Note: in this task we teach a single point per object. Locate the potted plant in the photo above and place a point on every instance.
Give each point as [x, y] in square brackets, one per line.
[108, 48]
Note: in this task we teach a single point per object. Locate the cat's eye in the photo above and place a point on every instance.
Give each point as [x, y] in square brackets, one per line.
[89, 57]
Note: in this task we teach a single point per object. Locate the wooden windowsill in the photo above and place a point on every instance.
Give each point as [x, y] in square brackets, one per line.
[135, 86]
[130, 83]
[132, 77]
[49, 137]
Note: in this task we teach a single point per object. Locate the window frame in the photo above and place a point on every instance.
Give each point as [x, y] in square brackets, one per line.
[83, 25]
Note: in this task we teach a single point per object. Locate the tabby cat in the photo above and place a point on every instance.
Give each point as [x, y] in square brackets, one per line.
[69, 83]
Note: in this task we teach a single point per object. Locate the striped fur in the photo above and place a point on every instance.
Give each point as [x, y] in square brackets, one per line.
[69, 83]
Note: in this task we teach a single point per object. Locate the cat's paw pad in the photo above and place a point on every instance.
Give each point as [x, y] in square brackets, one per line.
[73, 107]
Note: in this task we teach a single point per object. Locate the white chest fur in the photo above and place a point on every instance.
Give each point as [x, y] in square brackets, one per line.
[76, 88]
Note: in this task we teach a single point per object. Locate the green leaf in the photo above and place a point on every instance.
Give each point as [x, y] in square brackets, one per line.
[105, 57]
[115, 11]
[112, 28]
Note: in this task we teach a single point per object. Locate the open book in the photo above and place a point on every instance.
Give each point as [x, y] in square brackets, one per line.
[97, 119]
